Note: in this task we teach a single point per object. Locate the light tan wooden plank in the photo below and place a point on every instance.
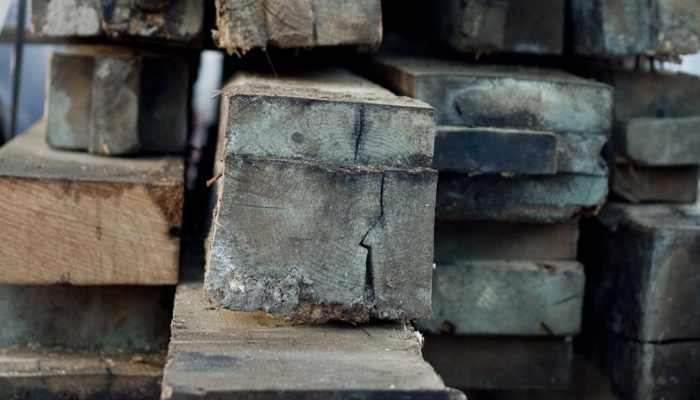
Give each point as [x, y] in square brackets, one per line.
[83, 219]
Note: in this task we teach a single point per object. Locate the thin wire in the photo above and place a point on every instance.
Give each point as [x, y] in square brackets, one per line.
[17, 64]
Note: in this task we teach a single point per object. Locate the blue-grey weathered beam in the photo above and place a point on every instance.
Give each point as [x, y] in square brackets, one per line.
[643, 279]
[484, 240]
[660, 142]
[529, 198]
[107, 318]
[506, 297]
[164, 21]
[663, 28]
[317, 242]
[327, 186]
[117, 101]
[495, 150]
[578, 111]
[653, 94]
[509, 26]
[330, 115]
[643, 370]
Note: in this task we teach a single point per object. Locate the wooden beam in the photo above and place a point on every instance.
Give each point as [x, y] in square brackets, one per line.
[216, 353]
[577, 111]
[244, 25]
[84, 219]
[507, 297]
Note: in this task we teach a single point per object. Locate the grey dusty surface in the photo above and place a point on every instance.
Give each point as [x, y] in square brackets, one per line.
[133, 318]
[103, 220]
[117, 101]
[243, 25]
[506, 297]
[172, 21]
[114, 106]
[467, 362]
[36, 373]
[660, 141]
[495, 150]
[654, 95]
[68, 94]
[542, 199]
[317, 242]
[642, 371]
[216, 354]
[578, 111]
[643, 280]
[663, 28]
[326, 186]
[484, 240]
[330, 116]
[510, 26]
[638, 184]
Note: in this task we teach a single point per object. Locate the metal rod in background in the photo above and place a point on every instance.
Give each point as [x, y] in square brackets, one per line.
[17, 65]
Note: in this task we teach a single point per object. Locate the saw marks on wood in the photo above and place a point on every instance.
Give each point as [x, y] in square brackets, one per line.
[83, 219]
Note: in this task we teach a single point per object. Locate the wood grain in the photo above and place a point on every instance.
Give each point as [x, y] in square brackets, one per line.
[328, 115]
[217, 353]
[84, 219]
[245, 24]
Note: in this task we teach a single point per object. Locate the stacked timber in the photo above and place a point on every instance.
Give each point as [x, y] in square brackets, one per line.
[243, 25]
[219, 353]
[642, 298]
[76, 212]
[643, 282]
[660, 28]
[168, 22]
[518, 151]
[513, 27]
[640, 251]
[326, 200]
[655, 149]
[324, 212]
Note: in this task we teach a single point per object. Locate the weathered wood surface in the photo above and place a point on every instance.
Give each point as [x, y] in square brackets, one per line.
[483, 240]
[540, 199]
[68, 100]
[578, 111]
[502, 363]
[244, 25]
[662, 28]
[660, 141]
[329, 116]
[86, 220]
[654, 95]
[638, 184]
[495, 150]
[641, 266]
[510, 26]
[317, 242]
[117, 101]
[217, 353]
[164, 21]
[114, 106]
[501, 297]
[108, 318]
[53, 374]
[641, 371]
